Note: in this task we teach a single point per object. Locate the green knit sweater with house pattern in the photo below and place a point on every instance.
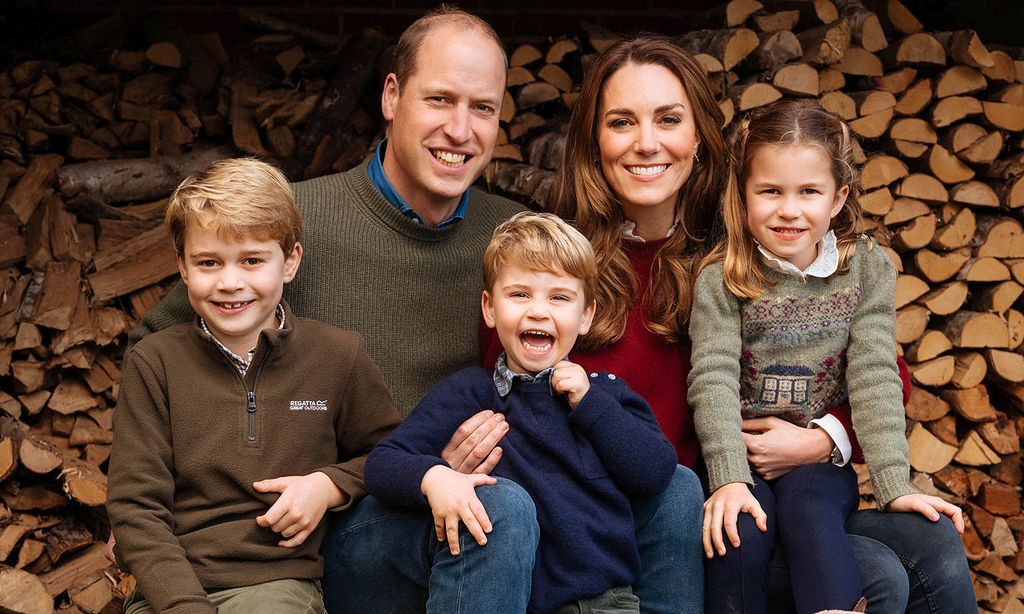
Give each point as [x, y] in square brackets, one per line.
[412, 291]
[803, 346]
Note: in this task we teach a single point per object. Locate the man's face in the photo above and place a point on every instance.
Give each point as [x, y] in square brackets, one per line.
[444, 121]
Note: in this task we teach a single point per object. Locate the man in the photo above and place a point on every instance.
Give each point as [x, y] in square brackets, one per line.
[394, 251]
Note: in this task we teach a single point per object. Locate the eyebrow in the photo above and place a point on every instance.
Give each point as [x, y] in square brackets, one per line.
[661, 109]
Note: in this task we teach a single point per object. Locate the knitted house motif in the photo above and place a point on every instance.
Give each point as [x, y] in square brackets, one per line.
[784, 387]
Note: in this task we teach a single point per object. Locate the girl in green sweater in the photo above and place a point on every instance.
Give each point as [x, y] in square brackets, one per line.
[794, 314]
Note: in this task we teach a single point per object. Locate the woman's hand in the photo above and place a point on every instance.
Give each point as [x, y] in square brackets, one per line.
[722, 509]
[474, 448]
[776, 447]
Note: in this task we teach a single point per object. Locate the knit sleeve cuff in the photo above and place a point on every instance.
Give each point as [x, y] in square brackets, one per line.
[890, 483]
[726, 471]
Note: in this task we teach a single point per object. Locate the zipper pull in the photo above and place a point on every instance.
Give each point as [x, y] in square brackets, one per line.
[251, 405]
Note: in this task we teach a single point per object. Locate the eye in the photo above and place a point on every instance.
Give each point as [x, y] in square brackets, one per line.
[671, 120]
[618, 124]
[811, 191]
[484, 109]
[252, 261]
[437, 99]
[770, 191]
[561, 297]
[206, 264]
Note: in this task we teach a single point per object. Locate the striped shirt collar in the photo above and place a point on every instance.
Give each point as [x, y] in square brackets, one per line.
[242, 364]
[503, 376]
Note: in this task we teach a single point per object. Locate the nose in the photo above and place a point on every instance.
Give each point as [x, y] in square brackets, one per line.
[230, 279]
[647, 139]
[788, 208]
[537, 310]
[457, 127]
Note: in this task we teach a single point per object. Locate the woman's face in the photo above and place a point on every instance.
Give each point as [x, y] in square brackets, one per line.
[647, 137]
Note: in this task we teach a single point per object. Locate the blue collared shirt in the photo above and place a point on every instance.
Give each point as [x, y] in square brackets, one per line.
[503, 376]
[382, 183]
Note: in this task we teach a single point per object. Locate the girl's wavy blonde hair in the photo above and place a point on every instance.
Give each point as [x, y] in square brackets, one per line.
[581, 193]
[783, 123]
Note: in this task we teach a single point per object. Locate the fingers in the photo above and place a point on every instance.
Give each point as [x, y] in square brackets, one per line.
[273, 485]
[298, 540]
[717, 521]
[273, 515]
[705, 535]
[490, 462]
[451, 531]
[474, 441]
[756, 425]
[760, 518]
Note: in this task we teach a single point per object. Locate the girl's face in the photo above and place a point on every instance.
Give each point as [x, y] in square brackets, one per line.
[647, 137]
[791, 198]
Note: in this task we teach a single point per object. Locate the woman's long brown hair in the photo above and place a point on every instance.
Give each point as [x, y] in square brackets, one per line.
[581, 194]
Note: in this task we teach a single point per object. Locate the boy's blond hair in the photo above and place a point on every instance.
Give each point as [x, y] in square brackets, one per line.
[239, 197]
[541, 242]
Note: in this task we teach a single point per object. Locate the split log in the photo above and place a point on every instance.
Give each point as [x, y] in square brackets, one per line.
[730, 46]
[930, 344]
[927, 453]
[969, 371]
[923, 406]
[136, 179]
[23, 593]
[974, 452]
[971, 329]
[935, 372]
[945, 299]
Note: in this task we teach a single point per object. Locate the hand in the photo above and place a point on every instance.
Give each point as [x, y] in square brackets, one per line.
[571, 380]
[930, 507]
[452, 497]
[474, 446]
[297, 512]
[722, 509]
[776, 447]
[108, 551]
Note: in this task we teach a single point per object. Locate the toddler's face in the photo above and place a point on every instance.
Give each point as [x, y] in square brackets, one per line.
[538, 316]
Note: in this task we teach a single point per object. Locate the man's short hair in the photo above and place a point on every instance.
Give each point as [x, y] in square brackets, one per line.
[240, 197]
[443, 16]
[541, 242]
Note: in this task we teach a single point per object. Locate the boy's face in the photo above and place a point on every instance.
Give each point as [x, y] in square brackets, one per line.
[235, 285]
[538, 315]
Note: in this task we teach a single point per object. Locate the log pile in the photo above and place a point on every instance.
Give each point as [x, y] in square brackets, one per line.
[90, 151]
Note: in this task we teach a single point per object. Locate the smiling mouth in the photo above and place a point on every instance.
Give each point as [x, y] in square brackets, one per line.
[449, 158]
[647, 171]
[537, 341]
[232, 306]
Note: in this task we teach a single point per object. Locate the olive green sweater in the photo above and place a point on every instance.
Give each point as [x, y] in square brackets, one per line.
[192, 435]
[412, 291]
[800, 348]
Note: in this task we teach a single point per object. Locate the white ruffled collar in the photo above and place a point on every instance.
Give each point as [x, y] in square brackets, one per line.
[629, 231]
[824, 265]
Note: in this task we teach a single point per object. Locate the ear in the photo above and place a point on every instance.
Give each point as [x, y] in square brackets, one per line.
[291, 263]
[487, 308]
[389, 97]
[588, 317]
[182, 269]
[840, 200]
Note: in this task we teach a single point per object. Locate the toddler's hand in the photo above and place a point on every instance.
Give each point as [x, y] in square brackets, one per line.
[571, 380]
[721, 511]
[930, 507]
[452, 497]
[297, 512]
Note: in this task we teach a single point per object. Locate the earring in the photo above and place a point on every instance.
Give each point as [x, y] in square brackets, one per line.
[697, 159]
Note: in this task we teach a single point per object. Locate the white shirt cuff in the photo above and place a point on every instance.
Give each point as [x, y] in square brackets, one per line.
[831, 425]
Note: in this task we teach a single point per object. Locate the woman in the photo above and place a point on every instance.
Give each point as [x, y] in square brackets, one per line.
[641, 176]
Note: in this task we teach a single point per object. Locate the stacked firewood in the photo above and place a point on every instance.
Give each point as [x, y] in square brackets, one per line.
[91, 150]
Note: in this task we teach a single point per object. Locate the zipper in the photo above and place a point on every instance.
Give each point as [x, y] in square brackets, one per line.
[250, 397]
[251, 408]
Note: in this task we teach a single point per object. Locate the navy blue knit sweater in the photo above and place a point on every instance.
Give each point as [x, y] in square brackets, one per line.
[581, 467]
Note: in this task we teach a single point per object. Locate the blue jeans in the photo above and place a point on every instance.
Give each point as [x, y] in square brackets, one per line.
[931, 554]
[383, 559]
[379, 558]
[806, 509]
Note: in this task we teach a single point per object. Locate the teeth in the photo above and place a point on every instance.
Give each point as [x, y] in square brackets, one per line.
[537, 333]
[789, 230]
[646, 171]
[233, 305]
[450, 158]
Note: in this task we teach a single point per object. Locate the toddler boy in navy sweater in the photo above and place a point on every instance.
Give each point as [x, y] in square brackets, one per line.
[580, 444]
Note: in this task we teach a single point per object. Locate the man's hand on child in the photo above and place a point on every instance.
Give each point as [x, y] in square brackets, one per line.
[571, 380]
[297, 512]
[474, 446]
[721, 511]
[930, 507]
[452, 498]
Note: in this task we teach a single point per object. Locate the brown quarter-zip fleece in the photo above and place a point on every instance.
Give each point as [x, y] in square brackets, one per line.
[192, 435]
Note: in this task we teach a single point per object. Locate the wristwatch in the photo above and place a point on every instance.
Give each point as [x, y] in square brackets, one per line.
[835, 457]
